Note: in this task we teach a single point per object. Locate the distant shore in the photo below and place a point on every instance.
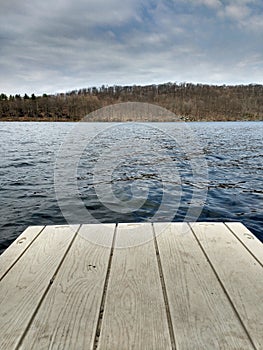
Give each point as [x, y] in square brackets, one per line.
[192, 102]
[128, 121]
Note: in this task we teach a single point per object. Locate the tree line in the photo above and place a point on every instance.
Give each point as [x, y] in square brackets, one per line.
[193, 102]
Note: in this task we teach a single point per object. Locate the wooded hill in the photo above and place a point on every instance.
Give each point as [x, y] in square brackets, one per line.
[194, 102]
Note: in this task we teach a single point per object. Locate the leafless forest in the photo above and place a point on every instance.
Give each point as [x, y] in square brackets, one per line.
[191, 102]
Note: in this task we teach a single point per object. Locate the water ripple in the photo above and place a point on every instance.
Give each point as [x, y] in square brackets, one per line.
[28, 152]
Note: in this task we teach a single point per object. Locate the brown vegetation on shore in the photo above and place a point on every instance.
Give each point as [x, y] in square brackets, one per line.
[193, 102]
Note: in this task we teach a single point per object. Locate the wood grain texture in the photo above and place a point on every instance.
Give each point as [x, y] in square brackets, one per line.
[23, 287]
[201, 313]
[248, 239]
[202, 287]
[17, 248]
[240, 274]
[133, 234]
[68, 316]
[134, 315]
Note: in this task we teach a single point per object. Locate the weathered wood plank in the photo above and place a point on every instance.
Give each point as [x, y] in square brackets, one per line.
[23, 287]
[248, 239]
[17, 248]
[240, 274]
[67, 318]
[134, 314]
[133, 234]
[213, 280]
[201, 314]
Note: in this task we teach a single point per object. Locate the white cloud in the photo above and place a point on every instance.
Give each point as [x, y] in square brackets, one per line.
[237, 12]
[210, 3]
[247, 14]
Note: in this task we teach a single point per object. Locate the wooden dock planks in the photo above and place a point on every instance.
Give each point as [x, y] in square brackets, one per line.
[68, 315]
[23, 288]
[189, 286]
[17, 248]
[134, 312]
[202, 316]
[239, 273]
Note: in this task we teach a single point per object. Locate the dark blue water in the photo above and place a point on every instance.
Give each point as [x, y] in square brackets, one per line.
[162, 170]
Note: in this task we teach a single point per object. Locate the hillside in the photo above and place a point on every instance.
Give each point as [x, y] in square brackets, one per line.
[194, 102]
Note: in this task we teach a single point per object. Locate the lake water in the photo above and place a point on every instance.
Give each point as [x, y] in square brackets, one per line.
[129, 172]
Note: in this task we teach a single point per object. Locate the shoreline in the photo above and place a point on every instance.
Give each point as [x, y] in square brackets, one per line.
[126, 121]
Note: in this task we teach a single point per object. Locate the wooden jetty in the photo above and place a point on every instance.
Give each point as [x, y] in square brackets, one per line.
[190, 286]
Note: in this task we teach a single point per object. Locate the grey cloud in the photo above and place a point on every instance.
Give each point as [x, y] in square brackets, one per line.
[57, 46]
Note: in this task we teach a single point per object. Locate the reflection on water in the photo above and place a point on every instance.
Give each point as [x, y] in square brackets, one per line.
[233, 151]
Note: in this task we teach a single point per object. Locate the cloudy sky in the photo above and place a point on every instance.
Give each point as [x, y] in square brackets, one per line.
[53, 46]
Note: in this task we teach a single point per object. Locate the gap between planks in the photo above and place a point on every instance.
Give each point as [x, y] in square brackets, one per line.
[19, 247]
[251, 243]
[165, 296]
[223, 287]
[233, 232]
[46, 290]
[102, 305]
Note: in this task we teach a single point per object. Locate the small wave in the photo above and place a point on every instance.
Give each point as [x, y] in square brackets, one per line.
[23, 164]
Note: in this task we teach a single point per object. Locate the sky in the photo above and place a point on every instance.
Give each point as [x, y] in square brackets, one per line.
[57, 46]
